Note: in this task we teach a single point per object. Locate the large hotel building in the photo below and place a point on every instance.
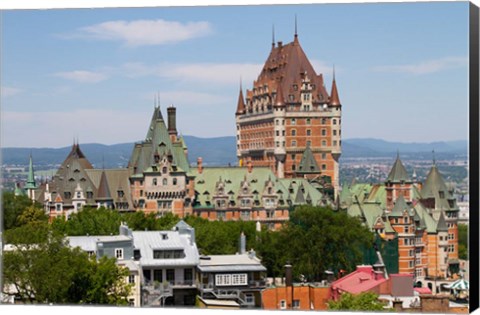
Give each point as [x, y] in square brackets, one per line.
[287, 110]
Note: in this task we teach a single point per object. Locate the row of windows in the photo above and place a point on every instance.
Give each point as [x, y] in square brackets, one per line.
[168, 254]
[164, 181]
[231, 279]
[255, 126]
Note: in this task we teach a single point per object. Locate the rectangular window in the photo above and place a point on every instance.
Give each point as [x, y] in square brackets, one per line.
[119, 253]
[220, 215]
[294, 132]
[405, 229]
[188, 274]
[158, 275]
[334, 132]
[170, 275]
[309, 132]
[245, 215]
[283, 304]
[296, 303]
[293, 121]
[131, 279]
[294, 143]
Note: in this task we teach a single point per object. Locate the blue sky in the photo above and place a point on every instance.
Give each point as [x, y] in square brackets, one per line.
[401, 69]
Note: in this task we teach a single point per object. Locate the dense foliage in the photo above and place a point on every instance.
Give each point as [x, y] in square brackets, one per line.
[367, 301]
[463, 241]
[313, 241]
[49, 271]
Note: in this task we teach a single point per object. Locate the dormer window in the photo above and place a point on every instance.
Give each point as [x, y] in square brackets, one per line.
[120, 193]
[164, 170]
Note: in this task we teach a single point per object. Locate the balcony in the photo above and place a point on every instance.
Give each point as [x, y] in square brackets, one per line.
[183, 284]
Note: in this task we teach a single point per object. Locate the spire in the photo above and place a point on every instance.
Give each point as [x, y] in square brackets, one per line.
[31, 176]
[241, 102]
[334, 99]
[103, 188]
[279, 99]
[433, 158]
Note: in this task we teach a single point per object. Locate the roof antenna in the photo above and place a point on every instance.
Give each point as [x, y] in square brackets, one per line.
[296, 33]
[273, 35]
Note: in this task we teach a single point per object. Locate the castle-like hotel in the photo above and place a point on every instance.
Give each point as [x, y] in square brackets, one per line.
[288, 146]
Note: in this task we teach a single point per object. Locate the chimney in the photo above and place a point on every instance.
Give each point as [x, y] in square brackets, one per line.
[242, 244]
[288, 275]
[279, 44]
[172, 125]
[249, 165]
[199, 165]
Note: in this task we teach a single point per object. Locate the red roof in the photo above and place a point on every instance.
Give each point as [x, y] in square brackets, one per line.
[361, 280]
[423, 290]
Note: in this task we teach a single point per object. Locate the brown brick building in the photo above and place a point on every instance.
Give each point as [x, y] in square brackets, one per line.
[287, 110]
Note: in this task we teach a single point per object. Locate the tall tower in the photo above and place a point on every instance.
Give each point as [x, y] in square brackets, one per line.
[287, 110]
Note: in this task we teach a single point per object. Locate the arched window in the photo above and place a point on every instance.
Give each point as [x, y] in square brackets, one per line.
[174, 181]
[165, 182]
[154, 182]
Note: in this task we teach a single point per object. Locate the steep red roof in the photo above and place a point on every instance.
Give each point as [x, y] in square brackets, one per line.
[361, 280]
[285, 67]
[241, 103]
[334, 99]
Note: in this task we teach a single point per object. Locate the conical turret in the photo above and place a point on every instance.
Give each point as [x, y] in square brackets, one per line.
[334, 99]
[241, 103]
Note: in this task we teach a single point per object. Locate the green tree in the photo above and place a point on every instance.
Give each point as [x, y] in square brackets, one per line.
[314, 240]
[366, 301]
[49, 271]
[14, 207]
[463, 241]
[91, 221]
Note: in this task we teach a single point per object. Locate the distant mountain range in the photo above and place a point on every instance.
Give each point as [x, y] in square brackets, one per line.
[222, 151]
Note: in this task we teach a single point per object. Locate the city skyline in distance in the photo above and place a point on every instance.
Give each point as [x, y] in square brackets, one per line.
[94, 74]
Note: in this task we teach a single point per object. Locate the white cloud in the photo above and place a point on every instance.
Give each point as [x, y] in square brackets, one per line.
[426, 67]
[188, 98]
[144, 32]
[208, 73]
[82, 76]
[7, 91]
[322, 67]
[18, 127]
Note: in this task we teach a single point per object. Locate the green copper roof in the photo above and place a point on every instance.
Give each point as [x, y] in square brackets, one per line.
[158, 142]
[425, 218]
[399, 207]
[19, 191]
[259, 184]
[436, 188]
[31, 176]
[308, 164]
[398, 173]
[370, 212]
[442, 225]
